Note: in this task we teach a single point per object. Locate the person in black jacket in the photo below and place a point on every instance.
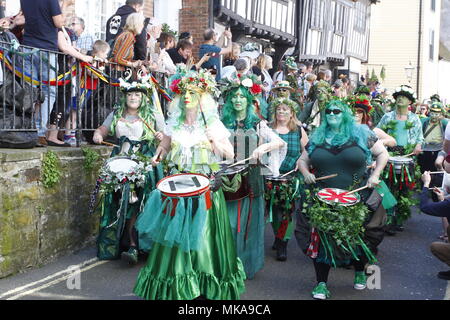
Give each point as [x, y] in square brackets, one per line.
[115, 24]
[438, 209]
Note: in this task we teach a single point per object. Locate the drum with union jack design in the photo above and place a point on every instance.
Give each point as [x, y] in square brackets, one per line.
[334, 196]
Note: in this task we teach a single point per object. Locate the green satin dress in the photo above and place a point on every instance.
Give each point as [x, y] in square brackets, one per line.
[192, 252]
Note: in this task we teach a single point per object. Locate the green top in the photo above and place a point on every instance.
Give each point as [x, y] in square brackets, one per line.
[294, 150]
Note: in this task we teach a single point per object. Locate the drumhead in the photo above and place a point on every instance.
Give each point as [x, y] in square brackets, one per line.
[233, 170]
[182, 184]
[400, 159]
[121, 164]
[338, 197]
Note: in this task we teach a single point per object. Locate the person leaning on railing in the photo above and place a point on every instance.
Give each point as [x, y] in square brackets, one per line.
[123, 50]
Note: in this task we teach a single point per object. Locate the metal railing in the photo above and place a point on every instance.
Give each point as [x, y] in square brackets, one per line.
[65, 93]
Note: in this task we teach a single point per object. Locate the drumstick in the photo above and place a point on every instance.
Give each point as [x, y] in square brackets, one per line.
[410, 154]
[284, 175]
[436, 172]
[327, 177]
[239, 162]
[109, 144]
[148, 126]
[359, 189]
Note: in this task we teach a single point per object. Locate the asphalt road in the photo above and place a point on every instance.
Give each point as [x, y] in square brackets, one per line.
[407, 268]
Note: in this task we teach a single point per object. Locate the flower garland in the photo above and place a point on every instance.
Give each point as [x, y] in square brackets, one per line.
[250, 82]
[113, 181]
[186, 80]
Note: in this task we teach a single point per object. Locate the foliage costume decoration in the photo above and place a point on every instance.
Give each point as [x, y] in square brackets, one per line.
[283, 199]
[248, 132]
[408, 135]
[283, 90]
[292, 77]
[334, 235]
[123, 200]
[319, 95]
[192, 252]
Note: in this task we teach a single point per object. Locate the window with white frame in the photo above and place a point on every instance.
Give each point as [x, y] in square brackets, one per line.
[317, 15]
[96, 14]
[360, 17]
[339, 19]
[433, 5]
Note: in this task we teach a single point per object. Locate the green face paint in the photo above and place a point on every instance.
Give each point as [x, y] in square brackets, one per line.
[239, 101]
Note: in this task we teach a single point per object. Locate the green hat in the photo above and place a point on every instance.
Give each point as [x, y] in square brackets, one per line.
[435, 97]
[291, 64]
[283, 85]
[436, 107]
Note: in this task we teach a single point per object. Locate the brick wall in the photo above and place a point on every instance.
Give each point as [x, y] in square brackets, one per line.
[148, 8]
[194, 18]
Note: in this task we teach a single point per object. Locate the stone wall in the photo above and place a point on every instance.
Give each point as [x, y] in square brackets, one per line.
[37, 224]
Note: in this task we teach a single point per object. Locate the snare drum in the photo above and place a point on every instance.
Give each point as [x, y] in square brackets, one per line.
[121, 164]
[339, 197]
[273, 182]
[401, 162]
[186, 185]
[233, 189]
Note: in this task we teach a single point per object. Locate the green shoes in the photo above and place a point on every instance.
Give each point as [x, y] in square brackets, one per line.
[321, 291]
[130, 256]
[360, 281]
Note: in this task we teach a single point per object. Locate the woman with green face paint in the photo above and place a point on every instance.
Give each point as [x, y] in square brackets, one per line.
[340, 146]
[251, 137]
[192, 252]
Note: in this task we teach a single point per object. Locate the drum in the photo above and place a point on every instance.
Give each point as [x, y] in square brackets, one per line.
[185, 185]
[235, 182]
[121, 165]
[399, 163]
[274, 182]
[334, 196]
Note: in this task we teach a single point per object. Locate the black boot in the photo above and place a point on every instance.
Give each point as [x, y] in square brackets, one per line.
[275, 244]
[390, 230]
[282, 250]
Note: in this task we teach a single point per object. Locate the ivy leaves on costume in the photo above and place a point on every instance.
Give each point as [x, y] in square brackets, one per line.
[339, 225]
[282, 195]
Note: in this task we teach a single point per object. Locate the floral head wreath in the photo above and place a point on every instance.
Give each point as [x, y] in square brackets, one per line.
[188, 80]
[250, 82]
[144, 84]
[288, 102]
[405, 91]
[362, 103]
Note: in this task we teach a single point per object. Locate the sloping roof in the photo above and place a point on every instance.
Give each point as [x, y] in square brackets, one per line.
[444, 52]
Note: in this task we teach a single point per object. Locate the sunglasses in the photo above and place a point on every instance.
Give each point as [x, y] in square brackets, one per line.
[333, 111]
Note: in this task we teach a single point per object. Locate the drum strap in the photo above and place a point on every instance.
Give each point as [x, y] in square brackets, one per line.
[431, 128]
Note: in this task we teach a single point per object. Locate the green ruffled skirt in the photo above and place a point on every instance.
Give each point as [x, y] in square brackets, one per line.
[213, 271]
[248, 232]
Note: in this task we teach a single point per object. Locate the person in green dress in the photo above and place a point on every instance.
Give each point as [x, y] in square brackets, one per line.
[191, 251]
[283, 199]
[339, 146]
[129, 124]
[251, 137]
